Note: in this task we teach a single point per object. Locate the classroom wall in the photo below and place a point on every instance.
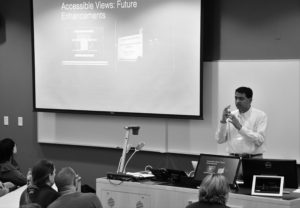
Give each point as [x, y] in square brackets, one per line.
[233, 30]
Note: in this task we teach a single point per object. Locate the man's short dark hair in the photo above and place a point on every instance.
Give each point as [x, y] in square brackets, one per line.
[245, 90]
[41, 171]
[65, 177]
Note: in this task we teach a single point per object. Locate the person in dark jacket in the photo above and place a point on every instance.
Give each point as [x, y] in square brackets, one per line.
[40, 191]
[9, 169]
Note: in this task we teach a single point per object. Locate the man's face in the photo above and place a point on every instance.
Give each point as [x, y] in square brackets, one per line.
[242, 102]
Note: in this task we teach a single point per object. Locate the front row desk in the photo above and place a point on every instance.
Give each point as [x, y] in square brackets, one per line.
[271, 175]
[11, 200]
[149, 194]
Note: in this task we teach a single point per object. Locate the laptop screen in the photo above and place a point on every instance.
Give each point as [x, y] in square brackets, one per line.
[217, 164]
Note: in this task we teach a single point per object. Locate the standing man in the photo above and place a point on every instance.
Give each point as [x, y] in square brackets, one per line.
[243, 130]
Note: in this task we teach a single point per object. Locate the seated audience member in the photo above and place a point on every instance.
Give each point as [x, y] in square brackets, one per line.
[40, 191]
[66, 182]
[213, 192]
[9, 169]
[6, 187]
[3, 189]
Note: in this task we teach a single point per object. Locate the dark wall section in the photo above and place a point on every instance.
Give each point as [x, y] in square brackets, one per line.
[233, 29]
[16, 81]
[211, 29]
[2, 30]
[259, 29]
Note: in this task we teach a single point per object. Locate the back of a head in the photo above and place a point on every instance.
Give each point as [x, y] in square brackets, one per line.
[6, 149]
[214, 189]
[64, 178]
[41, 171]
[245, 90]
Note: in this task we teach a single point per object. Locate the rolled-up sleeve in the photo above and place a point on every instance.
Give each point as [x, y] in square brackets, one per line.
[221, 133]
[257, 136]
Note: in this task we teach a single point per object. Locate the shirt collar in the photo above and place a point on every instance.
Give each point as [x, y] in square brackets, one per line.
[246, 114]
[67, 190]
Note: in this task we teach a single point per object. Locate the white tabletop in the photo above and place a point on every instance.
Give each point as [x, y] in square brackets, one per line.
[11, 200]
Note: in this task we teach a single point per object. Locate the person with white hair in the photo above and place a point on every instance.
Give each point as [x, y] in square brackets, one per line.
[213, 192]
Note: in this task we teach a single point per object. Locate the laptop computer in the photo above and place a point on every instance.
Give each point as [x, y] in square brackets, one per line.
[207, 164]
[217, 164]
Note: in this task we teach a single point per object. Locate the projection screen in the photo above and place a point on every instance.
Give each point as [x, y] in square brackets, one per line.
[139, 57]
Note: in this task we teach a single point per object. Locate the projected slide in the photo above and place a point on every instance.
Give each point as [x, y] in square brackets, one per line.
[118, 56]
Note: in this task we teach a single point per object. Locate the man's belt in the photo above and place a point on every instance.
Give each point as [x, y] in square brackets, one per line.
[246, 155]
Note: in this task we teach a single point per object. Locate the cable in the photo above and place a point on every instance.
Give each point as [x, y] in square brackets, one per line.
[116, 184]
[136, 149]
[129, 159]
[148, 168]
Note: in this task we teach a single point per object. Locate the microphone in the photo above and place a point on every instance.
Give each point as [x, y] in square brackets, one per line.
[138, 147]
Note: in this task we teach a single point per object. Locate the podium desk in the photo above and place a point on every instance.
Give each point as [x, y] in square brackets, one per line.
[148, 194]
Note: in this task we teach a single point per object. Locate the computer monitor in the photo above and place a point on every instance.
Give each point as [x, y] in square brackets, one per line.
[275, 167]
[221, 164]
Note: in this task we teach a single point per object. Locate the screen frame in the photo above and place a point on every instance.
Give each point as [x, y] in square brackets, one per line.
[219, 157]
[254, 182]
[117, 113]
